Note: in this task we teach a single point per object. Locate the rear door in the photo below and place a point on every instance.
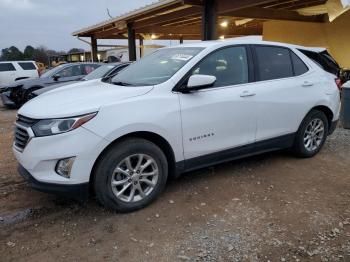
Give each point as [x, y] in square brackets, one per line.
[28, 69]
[70, 73]
[223, 117]
[7, 73]
[284, 89]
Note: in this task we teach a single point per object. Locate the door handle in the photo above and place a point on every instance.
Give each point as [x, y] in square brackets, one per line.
[307, 84]
[247, 93]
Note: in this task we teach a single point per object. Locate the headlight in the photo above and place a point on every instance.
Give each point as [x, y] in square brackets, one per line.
[49, 127]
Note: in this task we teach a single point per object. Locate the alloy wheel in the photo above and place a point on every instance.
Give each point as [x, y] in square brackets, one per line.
[134, 178]
[314, 134]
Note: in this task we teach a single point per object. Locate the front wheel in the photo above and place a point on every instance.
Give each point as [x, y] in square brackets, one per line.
[312, 134]
[130, 175]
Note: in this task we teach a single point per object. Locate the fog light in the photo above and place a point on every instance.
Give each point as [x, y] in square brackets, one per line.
[64, 167]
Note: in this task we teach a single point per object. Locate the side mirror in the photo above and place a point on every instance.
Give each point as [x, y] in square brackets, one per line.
[197, 82]
[107, 79]
[56, 77]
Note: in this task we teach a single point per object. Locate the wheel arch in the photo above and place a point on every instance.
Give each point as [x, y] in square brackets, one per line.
[32, 89]
[326, 110]
[155, 138]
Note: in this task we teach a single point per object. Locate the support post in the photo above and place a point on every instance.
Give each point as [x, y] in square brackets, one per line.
[209, 20]
[141, 46]
[94, 49]
[131, 43]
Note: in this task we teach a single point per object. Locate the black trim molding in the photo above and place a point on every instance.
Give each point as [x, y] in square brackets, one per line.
[79, 191]
[273, 144]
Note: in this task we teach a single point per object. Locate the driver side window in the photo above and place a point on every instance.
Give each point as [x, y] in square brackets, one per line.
[70, 71]
[229, 66]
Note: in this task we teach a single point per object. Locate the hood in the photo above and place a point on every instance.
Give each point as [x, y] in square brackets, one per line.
[78, 99]
[26, 83]
[53, 87]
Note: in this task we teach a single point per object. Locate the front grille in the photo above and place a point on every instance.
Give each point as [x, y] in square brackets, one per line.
[21, 134]
[21, 137]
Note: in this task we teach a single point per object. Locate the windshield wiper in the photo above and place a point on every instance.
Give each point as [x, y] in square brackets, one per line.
[119, 83]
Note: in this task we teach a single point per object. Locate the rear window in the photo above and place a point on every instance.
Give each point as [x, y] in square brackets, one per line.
[299, 67]
[4, 67]
[27, 66]
[87, 69]
[324, 60]
[273, 62]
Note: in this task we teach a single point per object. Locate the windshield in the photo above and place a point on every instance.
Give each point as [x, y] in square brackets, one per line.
[52, 72]
[99, 72]
[157, 67]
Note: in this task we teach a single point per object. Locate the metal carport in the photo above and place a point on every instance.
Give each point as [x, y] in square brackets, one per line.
[200, 20]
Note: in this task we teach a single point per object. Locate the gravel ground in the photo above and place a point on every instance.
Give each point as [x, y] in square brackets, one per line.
[272, 207]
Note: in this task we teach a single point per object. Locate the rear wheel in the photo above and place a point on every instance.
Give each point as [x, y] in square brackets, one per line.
[130, 175]
[312, 134]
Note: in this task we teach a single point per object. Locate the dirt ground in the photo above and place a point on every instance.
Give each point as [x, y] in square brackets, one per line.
[272, 207]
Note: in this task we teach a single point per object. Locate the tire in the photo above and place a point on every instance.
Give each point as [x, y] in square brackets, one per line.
[302, 145]
[114, 167]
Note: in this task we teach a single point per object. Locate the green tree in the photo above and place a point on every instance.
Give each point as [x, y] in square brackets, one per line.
[75, 50]
[11, 54]
[28, 52]
[40, 55]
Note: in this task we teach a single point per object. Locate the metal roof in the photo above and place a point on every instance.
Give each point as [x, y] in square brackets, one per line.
[128, 16]
[171, 19]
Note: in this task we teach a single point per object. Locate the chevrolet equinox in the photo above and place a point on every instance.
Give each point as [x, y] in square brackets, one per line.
[175, 110]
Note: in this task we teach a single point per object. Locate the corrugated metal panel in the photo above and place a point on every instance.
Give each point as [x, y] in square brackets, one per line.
[128, 16]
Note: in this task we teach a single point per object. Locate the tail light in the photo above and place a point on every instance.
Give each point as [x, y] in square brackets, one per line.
[338, 83]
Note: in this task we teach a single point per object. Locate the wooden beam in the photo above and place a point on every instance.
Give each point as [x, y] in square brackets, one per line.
[155, 11]
[141, 45]
[209, 20]
[131, 43]
[108, 33]
[196, 30]
[181, 39]
[94, 49]
[272, 14]
[169, 17]
[193, 2]
[233, 5]
[303, 4]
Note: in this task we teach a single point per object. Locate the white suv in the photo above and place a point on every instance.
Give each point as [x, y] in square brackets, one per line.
[177, 109]
[16, 70]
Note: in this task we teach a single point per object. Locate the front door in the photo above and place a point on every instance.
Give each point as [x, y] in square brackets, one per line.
[222, 117]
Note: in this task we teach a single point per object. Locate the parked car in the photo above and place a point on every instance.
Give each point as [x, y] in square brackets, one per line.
[345, 75]
[106, 70]
[16, 94]
[175, 110]
[16, 70]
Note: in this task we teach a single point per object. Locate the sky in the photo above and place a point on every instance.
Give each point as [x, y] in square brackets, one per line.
[51, 22]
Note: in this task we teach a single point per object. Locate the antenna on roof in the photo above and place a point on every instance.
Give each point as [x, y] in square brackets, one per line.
[108, 13]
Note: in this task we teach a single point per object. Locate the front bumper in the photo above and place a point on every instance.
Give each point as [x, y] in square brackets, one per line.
[41, 154]
[6, 100]
[78, 191]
